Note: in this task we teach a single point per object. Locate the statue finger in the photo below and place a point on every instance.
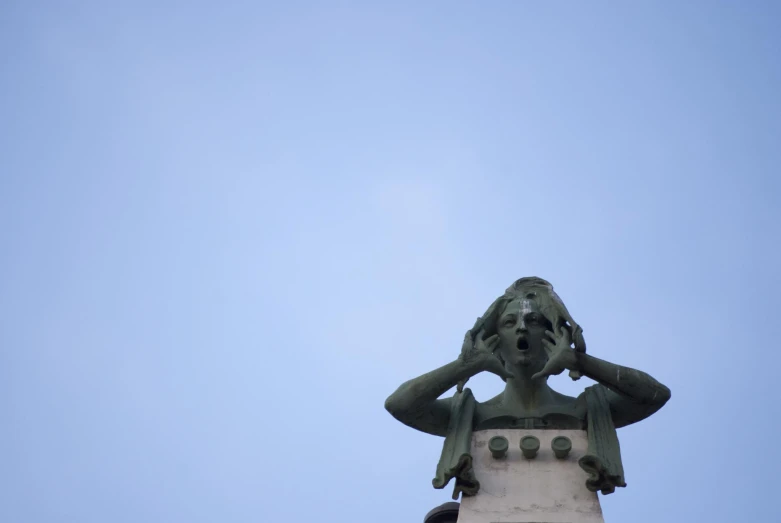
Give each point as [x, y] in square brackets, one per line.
[467, 345]
[479, 341]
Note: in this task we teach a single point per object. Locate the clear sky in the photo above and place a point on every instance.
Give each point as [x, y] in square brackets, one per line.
[229, 230]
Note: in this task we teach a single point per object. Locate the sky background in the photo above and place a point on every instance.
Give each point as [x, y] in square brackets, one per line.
[229, 230]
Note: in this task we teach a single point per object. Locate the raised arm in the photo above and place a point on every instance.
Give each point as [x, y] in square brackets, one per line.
[415, 403]
[634, 395]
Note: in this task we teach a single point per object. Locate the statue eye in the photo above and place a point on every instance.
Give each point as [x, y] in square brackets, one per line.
[532, 318]
[509, 322]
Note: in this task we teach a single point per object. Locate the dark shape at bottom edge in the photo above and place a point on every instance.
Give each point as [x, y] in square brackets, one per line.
[445, 513]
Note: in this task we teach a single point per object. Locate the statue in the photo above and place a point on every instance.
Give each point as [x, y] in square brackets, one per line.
[524, 337]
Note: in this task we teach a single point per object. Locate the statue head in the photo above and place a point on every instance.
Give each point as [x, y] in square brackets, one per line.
[520, 317]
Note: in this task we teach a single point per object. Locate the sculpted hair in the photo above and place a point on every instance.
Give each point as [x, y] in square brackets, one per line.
[551, 307]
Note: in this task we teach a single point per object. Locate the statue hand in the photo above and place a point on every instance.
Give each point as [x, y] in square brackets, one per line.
[480, 353]
[561, 356]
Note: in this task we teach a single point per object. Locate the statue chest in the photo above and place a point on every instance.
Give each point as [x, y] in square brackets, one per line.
[559, 417]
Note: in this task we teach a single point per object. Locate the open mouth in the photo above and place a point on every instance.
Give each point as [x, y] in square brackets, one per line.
[522, 344]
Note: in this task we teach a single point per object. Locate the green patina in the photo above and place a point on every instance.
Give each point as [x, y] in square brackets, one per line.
[524, 337]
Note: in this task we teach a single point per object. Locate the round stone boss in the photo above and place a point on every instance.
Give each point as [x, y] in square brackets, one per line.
[498, 446]
[561, 446]
[529, 446]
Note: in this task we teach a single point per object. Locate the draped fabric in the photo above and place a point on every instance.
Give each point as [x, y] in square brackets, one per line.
[456, 460]
[603, 460]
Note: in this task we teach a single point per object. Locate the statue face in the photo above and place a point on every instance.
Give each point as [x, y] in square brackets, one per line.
[521, 330]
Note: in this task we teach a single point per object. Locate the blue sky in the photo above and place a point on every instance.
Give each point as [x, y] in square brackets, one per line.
[230, 230]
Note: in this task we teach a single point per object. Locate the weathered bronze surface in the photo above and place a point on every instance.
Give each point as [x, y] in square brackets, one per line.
[524, 337]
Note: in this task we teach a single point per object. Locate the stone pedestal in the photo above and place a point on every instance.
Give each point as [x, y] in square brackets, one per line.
[544, 489]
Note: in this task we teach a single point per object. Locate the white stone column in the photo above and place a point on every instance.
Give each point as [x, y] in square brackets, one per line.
[520, 490]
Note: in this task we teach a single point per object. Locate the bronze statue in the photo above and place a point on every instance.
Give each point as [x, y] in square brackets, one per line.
[525, 336]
